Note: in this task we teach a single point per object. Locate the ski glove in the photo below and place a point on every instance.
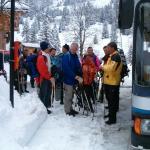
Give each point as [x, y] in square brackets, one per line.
[79, 79]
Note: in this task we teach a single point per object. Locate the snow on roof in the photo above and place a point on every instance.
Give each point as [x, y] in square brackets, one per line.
[32, 45]
[18, 6]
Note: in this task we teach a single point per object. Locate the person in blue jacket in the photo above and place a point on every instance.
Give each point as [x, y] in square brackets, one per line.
[31, 61]
[65, 49]
[72, 72]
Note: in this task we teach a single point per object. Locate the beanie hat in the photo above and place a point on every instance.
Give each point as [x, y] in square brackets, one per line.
[44, 45]
[66, 47]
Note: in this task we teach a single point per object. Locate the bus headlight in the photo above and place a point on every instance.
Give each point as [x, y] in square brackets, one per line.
[145, 126]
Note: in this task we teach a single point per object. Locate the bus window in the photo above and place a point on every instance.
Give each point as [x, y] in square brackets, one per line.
[142, 63]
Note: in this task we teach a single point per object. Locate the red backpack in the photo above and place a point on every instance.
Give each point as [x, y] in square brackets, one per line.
[88, 69]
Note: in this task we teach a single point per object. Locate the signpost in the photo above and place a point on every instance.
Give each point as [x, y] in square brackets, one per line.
[11, 52]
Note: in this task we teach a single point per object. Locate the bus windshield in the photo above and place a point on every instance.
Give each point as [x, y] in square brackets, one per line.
[142, 61]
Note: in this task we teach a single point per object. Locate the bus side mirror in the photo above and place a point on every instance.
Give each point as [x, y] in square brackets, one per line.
[126, 12]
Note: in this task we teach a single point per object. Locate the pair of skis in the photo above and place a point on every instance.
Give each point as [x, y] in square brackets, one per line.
[83, 101]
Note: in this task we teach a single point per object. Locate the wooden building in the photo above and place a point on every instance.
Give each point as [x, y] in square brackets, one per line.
[5, 21]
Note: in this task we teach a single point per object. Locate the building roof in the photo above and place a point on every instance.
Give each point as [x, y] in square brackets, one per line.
[18, 6]
[31, 45]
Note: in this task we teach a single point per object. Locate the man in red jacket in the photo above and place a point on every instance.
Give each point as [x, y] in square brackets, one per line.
[46, 79]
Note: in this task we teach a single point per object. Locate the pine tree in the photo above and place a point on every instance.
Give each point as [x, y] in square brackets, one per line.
[95, 41]
[65, 19]
[114, 33]
[54, 38]
[25, 32]
[36, 24]
[33, 34]
[89, 14]
[129, 55]
[44, 33]
[80, 23]
[105, 32]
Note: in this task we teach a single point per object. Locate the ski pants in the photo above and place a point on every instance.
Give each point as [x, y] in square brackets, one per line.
[112, 96]
[16, 80]
[32, 81]
[68, 97]
[45, 92]
[24, 83]
[101, 98]
[59, 92]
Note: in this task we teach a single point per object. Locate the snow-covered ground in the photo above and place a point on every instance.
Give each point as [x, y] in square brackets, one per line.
[18, 125]
[28, 127]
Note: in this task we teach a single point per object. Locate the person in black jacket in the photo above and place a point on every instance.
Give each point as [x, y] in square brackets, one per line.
[23, 71]
[59, 84]
[104, 59]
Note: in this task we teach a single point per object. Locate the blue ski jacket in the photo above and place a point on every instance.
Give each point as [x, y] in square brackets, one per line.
[71, 68]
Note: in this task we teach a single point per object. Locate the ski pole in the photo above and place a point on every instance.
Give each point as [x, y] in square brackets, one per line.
[88, 103]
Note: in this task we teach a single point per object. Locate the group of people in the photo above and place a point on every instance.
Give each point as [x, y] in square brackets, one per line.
[59, 74]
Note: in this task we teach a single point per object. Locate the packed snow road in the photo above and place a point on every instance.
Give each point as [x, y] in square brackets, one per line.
[28, 127]
[61, 132]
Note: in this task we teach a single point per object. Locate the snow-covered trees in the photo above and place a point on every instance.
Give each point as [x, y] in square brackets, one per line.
[80, 22]
[44, 33]
[54, 38]
[76, 17]
[25, 31]
[49, 34]
[105, 32]
[129, 55]
[114, 5]
[64, 20]
[33, 34]
[114, 32]
[95, 40]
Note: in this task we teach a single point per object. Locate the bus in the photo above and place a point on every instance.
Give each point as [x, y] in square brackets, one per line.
[136, 13]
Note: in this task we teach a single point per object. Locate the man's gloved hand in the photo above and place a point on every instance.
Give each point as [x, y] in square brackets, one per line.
[80, 80]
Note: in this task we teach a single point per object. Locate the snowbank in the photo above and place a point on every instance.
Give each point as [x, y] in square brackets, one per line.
[19, 125]
[27, 117]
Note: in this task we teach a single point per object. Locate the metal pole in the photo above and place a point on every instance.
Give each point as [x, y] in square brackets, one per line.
[12, 52]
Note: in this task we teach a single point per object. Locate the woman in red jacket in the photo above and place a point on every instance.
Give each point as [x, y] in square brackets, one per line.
[46, 79]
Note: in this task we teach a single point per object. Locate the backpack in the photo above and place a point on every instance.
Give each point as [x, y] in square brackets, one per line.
[31, 61]
[56, 69]
[125, 70]
[88, 70]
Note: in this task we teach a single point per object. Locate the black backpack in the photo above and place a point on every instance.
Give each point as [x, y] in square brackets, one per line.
[125, 70]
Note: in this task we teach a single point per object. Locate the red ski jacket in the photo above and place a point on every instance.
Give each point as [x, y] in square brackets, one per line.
[16, 54]
[43, 68]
